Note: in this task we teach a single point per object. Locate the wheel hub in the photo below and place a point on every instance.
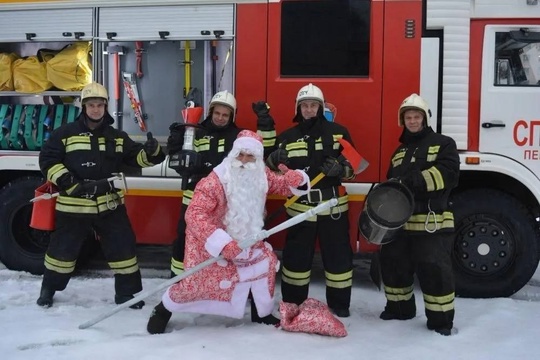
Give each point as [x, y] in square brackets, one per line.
[29, 240]
[483, 247]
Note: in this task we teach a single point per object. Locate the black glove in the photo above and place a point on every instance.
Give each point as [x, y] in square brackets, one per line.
[97, 187]
[89, 188]
[65, 182]
[279, 156]
[151, 146]
[71, 187]
[74, 190]
[176, 138]
[68, 185]
[261, 108]
[408, 181]
[264, 120]
[332, 167]
[186, 162]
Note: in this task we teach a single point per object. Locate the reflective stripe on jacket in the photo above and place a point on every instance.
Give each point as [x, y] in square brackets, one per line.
[91, 155]
[430, 164]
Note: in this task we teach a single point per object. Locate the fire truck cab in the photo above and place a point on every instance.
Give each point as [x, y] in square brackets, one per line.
[476, 62]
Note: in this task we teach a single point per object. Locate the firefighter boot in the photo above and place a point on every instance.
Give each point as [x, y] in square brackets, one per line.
[399, 310]
[120, 299]
[158, 320]
[445, 330]
[341, 312]
[45, 297]
[387, 315]
[267, 320]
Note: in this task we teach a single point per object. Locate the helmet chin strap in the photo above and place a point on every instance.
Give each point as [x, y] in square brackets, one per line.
[95, 121]
[88, 118]
[92, 120]
[320, 113]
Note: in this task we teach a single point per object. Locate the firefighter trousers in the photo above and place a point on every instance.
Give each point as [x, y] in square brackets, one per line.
[179, 244]
[117, 241]
[336, 254]
[429, 256]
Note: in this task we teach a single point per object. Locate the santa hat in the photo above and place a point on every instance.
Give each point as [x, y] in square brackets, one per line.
[250, 142]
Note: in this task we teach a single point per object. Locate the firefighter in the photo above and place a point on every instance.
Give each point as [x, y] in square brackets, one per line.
[312, 145]
[77, 158]
[428, 164]
[213, 140]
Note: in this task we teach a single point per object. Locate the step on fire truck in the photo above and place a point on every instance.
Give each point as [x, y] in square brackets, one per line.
[477, 62]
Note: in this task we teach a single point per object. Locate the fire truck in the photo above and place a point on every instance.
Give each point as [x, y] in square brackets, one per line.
[477, 62]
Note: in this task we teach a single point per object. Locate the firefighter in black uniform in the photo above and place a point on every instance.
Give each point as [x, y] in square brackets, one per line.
[213, 141]
[78, 158]
[428, 164]
[312, 145]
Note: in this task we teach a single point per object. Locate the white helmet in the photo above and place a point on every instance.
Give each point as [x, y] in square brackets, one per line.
[223, 98]
[94, 90]
[309, 92]
[414, 102]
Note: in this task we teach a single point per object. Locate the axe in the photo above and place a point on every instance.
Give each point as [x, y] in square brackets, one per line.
[348, 153]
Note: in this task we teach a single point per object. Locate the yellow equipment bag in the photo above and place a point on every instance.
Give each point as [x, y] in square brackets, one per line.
[30, 75]
[71, 68]
[45, 55]
[6, 72]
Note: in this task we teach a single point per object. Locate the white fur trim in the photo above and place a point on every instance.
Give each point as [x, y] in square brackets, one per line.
[261, 295]
[216, 242]
[234, 309]
[244, 255]
[251, 272]
[225, 284]
[298, 192]
[222, 263]
[248, 143]
[220, 171]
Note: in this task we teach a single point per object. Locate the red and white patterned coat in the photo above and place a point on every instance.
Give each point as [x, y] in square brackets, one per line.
[223, 287]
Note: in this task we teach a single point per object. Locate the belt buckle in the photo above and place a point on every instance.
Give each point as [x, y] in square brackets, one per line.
[316, 191]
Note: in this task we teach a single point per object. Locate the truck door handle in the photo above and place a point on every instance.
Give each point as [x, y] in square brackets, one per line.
[488, 125]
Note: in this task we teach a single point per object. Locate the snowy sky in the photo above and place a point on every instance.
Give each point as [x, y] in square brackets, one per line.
[505, 328]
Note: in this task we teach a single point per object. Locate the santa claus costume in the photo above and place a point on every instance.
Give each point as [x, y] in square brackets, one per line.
[227, 207]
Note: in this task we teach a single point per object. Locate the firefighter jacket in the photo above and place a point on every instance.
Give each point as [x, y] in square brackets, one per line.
[213, 144]
[308, 144]
[91, 155]
[428, 164]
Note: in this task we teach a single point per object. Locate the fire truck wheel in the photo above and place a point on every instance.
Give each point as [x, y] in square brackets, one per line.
[21, 247]
[496, 250]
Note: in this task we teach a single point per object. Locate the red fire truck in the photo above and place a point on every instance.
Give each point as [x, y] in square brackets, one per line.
[477, 62]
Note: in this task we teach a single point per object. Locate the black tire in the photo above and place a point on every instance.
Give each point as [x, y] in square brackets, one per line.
[21, 247]
[496, 250]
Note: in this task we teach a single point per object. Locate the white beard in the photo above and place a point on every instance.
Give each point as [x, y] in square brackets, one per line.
[245, 189]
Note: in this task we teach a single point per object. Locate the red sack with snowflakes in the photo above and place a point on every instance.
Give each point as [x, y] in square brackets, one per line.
[312, 317]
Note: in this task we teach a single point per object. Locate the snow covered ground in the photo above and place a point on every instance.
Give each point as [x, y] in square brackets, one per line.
[491, 329]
